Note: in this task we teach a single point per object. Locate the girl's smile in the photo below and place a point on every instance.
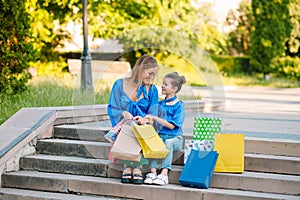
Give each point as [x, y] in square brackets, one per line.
[167, 88]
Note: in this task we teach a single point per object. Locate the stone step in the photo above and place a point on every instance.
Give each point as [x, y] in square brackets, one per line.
[81, 132]
[95, 132]
[52, 182]
[66, 147]
[66, 164]
[253, 181]
[272, 146]
[23, 194]
[253, 162]
[272, 164]
[250, 181]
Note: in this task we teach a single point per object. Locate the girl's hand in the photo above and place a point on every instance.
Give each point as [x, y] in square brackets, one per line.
[141, 120]
[127, 115]
[149, 119]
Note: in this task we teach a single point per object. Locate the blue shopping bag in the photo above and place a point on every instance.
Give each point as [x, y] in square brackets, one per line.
[199, 168]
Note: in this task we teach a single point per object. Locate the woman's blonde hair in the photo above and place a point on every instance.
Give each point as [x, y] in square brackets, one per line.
[144, 62]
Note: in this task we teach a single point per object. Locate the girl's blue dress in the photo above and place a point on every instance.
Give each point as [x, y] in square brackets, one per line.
[174, 114]
[119, 102]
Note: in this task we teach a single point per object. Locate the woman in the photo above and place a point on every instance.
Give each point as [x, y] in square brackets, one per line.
[134, 96]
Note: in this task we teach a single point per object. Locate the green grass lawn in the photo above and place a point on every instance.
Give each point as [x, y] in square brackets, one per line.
[63, 91]
[48, 92]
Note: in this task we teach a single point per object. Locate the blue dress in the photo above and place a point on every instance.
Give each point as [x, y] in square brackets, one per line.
[120, 102]
[174, 114]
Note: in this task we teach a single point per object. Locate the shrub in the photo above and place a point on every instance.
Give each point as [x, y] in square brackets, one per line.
[52, 68]
[288, 67]
[16, 49]
[233, 64]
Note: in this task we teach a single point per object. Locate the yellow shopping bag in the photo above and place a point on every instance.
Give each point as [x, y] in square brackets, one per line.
[152, 145]
[231, 152]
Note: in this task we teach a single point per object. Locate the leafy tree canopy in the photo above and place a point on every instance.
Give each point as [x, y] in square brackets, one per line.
[272, 29]
[240, 24]
[16, 49]
[114, 18]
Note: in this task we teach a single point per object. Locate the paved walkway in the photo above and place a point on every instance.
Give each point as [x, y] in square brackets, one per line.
[256, 112]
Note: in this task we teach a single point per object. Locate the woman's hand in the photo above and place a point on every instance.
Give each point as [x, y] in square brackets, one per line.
[127, 115]
[141, 120]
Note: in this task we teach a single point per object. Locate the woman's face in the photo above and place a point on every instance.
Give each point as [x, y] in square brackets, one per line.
[167, 88]
[148, 75]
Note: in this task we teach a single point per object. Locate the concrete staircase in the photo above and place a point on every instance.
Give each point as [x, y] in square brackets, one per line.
[73, 165]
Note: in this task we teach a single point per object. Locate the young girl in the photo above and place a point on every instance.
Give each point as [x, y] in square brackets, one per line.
[169, 124]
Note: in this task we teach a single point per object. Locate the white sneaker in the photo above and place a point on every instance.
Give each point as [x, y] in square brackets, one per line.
[149, 178]
[161, 180]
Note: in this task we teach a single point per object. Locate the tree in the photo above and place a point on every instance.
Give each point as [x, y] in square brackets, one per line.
[240, 24]
[272, 28]
[111, 19]
[120, 18]
[45, 15]
[16, 49]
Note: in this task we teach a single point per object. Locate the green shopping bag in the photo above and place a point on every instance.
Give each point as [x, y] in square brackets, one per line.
[206, 127]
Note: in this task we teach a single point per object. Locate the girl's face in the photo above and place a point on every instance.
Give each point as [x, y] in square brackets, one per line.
[148, 75]
[167, 88]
